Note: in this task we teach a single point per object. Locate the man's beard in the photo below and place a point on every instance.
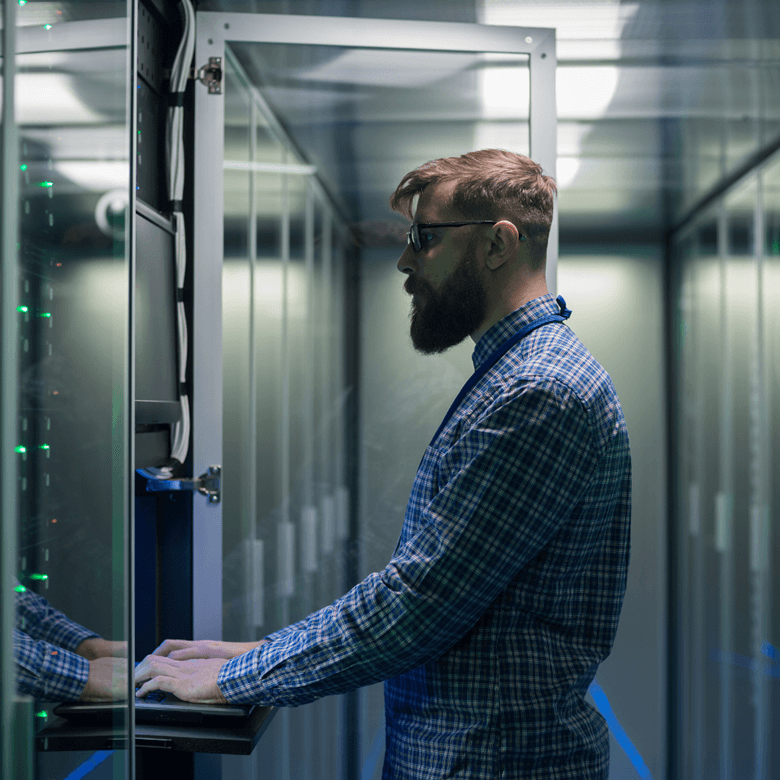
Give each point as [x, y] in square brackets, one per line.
[453, 312]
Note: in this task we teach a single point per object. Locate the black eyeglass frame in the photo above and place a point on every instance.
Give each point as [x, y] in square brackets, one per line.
[413, 235]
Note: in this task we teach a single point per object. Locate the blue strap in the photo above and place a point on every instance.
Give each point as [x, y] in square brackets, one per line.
[496, 355]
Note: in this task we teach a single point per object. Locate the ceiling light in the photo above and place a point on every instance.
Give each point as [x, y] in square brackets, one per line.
[566, 170]
[572, 21]
[585, 92]
[583, 31]
[49, 99]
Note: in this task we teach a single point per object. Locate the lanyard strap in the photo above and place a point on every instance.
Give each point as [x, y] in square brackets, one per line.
[498, 353]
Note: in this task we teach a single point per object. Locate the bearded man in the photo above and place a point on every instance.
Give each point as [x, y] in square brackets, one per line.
[503, 595]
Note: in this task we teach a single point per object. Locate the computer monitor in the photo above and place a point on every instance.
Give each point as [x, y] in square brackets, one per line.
[156, 352]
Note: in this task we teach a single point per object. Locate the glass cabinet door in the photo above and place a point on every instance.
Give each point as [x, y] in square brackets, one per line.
[66, 378]
[301, 108]
[725, 636]
[283, 379]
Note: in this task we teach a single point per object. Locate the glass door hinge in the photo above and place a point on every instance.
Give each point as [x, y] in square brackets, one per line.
[210, 75]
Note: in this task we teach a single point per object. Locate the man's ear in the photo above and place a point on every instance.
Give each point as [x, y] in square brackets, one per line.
[504, 240]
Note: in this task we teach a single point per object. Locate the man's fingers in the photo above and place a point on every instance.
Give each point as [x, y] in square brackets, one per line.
[170, 645]
[189, 680]
[159, 683]
[184, 649]
[154, 665]
[186, 654]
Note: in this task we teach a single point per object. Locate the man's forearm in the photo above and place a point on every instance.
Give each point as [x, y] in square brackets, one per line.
[97, 647]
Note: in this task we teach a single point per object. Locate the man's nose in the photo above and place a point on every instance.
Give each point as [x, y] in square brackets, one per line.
[406, 260]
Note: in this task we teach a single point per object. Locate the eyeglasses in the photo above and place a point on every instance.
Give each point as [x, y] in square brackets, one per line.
[413, 236]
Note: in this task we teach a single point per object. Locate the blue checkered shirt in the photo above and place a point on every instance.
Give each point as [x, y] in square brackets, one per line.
[44, 641]
[503, 596]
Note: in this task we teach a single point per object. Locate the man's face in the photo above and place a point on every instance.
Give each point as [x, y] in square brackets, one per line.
[449, 298]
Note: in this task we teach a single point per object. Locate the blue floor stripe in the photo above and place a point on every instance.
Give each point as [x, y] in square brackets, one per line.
[94, 760]
[618, 731]
[746, 662]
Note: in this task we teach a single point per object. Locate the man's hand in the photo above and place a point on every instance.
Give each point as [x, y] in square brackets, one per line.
[107, 680]
[96, 647]
[194, 681]
[184, 649]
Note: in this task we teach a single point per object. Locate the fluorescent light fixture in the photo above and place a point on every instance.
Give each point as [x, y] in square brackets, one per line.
[94, 175]
[504, 89]
[585, 92]
[566, 169]
[106, 142]
[584, 21]
[379, 68]
[258, 167]
[583, 31]
[49, 99]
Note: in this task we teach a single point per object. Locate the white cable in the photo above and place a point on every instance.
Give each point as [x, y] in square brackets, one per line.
[174, 158]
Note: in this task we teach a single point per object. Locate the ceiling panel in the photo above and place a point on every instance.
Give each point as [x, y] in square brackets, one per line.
[657, 101]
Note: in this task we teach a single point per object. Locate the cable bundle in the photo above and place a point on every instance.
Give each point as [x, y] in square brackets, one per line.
[174, 158]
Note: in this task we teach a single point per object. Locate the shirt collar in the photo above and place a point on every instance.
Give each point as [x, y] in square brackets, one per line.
[512, 323]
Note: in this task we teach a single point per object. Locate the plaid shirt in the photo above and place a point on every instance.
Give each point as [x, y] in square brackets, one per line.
[503, 596]
[44, 639]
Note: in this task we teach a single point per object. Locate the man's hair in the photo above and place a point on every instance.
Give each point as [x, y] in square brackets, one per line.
[490, 184]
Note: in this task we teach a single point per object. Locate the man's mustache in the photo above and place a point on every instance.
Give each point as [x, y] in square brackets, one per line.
[414, 286]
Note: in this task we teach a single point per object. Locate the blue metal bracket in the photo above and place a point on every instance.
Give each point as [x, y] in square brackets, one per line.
[209, 484]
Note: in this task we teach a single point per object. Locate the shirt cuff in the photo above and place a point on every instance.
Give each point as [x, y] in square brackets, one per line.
[76, 636]
[53, 674]
[239, 680]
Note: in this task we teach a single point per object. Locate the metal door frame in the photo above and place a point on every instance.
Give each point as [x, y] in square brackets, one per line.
[214, 30]
[17, 733]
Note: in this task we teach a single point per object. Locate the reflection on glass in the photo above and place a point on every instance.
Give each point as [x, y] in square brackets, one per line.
[740, 623]
[284, 519]
[342, 104]
[713, 147]
[726, 456]
[236, 291]
[770, 295]
[72, 353]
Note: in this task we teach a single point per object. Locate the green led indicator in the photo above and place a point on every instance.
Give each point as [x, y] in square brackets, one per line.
[22, 2]
[21, 449]
[20, 589]
[39, 576]
[45, 447]
[45, 314]
[46, 184]
[23, 167]
[47, 27]
[22, 309]
[42, 714]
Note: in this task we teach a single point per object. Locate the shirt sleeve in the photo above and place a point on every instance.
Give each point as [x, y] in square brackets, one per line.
[282, 632]
[503, 490]
[40, 621]
[46, 671]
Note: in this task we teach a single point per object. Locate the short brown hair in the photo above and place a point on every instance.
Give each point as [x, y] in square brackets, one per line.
[490, 184]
